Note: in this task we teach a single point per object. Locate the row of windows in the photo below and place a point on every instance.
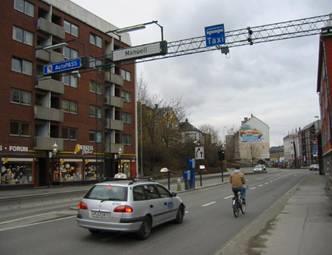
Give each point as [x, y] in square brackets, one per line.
[21, 128]
[24, 7]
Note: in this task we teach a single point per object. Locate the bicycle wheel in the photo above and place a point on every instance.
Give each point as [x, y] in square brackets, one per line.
[236, 210]
[243, 208]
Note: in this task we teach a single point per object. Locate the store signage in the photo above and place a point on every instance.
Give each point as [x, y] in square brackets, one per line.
[14, 148]
[85, 149]
[141, 51]
[63, 66]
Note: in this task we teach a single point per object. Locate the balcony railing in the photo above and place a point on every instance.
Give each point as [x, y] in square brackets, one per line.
[114, 78]
[50, 114]
[51, 28]
[114, 124]
[46, 143]
[51, 85]
[114, 101]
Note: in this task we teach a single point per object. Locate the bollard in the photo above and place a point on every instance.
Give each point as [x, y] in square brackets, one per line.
[178, 184]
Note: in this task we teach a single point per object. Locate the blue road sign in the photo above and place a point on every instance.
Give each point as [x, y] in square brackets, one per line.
[214, 35]
[63, 66]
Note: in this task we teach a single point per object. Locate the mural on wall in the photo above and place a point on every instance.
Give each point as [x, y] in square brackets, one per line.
[249, 134]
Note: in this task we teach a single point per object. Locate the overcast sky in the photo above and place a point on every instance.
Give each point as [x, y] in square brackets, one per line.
[274, 81]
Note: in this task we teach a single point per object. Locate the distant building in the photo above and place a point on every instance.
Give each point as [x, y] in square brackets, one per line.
[190, 133]
[308, 139]
[324, 87]
[291, 150]
[249, 145]
[277, 155]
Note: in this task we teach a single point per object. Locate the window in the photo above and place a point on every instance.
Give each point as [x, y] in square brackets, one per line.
[96, 40]
[69, 106]
[20, 97]
[125, 75]
[95, 136]
[126, 139]
[126, 117]
[163, 192]
[94, 111]
[22, 36]
[70, 53]
[126, 96]
[71, 28]
[19, 128]
[21, 66]
[96, 87]
[151, 192]
[69, 133]
[93, 62]
[70, 80]
[24, 7]
[108, 192]
[138, 193]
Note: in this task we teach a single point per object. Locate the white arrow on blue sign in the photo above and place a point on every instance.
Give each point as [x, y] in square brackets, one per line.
[214, 35]
[63, 66]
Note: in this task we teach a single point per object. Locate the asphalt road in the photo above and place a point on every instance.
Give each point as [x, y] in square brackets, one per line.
[208, 224]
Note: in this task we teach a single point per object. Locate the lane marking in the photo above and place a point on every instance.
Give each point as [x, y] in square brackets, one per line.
[228, 197]
[253, 188]
[36, 223]
[208, 204]
[186, 212]
[266, 183]
[260, 185]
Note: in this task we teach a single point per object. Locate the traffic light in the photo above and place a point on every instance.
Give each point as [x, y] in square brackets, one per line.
[221, 154]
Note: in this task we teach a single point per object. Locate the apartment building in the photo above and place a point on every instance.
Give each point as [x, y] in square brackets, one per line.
[66, 127]
[324, 86]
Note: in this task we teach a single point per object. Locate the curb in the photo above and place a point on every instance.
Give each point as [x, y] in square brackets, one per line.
[240, 241]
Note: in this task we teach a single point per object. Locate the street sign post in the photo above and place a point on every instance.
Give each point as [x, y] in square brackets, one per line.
[141, 51]
[214, 35]
[199, 152]
[63, 66]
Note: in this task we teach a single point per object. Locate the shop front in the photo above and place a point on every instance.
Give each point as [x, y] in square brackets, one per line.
[17, 166]
[127, 165]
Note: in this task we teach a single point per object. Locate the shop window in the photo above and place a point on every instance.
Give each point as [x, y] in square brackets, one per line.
[71, 28]
[20, 97]
[21, 66]
[15, 172]
[22, 36]
[90, 169]
[24, 7]
[19, 128]
[68, 171]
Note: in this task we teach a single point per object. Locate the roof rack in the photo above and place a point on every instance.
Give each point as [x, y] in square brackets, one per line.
[131, 180]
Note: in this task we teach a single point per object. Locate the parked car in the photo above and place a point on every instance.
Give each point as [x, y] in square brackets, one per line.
[314, 167]
[260, 169]
[129, 206]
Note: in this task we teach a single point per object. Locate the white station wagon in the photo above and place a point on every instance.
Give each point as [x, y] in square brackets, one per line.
[128, 206]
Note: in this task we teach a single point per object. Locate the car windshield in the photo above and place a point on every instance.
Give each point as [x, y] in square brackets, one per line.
[107, 192]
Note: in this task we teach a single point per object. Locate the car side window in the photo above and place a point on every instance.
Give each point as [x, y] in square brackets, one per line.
[163, 191]
[151, 192]
[139, 193]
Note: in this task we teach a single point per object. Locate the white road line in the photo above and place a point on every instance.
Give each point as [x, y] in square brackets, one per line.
[34, 224]
[260, 185]
[266, 183]
[210, 203]
[253, 188]
[228, 197]
[187, 212]
[23, 218]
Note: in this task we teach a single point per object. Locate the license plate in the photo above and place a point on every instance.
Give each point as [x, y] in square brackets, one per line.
[100, 214]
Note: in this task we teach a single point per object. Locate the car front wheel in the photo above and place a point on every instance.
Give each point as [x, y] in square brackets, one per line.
[179, 215]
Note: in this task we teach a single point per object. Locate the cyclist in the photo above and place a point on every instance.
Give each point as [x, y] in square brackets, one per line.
[237, 180]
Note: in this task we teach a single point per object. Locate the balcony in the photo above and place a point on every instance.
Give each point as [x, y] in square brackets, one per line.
[114, 78]
[50, 114]
[51, 28]
[114, 124]
[51, 85]
[46, 143]
[114, 101]
[113, 147]
[49, 56]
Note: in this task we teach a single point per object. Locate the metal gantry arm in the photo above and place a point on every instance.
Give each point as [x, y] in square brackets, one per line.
[249, 36]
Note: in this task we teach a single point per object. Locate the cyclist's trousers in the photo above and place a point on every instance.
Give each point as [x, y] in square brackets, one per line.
[242, 192]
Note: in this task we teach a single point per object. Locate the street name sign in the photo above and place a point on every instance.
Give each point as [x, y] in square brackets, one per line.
[63, 66]
[214, 35]
[141, 51]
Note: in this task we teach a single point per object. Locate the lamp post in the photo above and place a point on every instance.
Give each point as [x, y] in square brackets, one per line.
[54, 154]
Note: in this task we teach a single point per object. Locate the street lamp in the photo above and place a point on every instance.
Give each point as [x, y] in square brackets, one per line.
[54, 153]
[137, 27]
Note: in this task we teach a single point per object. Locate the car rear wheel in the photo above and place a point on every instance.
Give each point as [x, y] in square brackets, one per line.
[145, 230]
[179, 215]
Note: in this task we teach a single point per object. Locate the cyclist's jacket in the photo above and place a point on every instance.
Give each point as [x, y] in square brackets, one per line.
[237, 179]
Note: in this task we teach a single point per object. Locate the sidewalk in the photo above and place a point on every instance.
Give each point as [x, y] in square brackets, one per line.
[303, 227]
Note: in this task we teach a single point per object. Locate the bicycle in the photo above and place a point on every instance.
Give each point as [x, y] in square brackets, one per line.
[238, 205]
